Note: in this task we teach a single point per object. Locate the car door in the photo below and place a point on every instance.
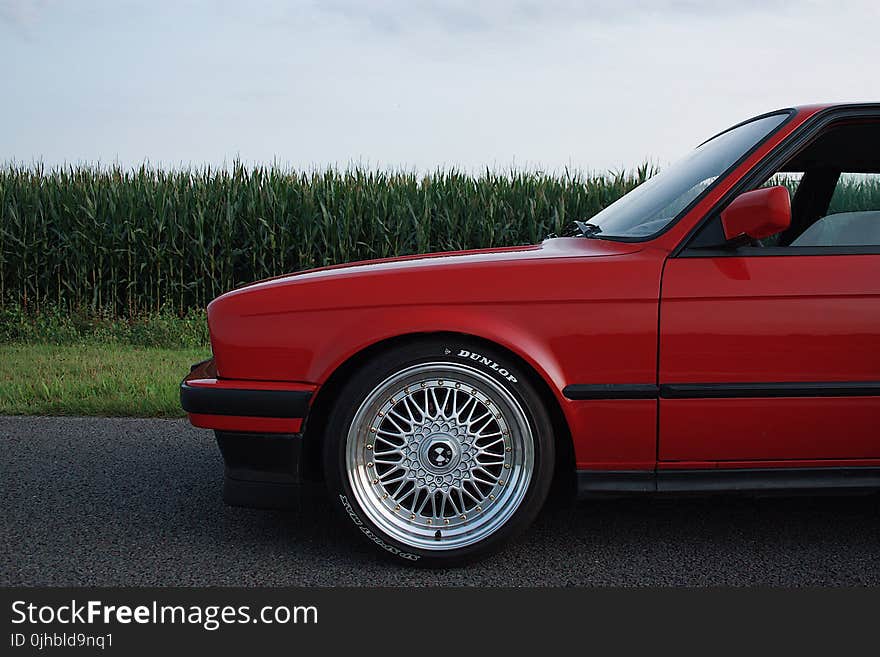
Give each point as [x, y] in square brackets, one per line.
[768, 357]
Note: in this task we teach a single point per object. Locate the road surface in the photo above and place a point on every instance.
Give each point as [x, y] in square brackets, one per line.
[134, 502]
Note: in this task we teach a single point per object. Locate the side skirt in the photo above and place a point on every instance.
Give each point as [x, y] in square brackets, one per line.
[597, 482]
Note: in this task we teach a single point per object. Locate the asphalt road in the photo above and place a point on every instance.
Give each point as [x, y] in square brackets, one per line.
[105, 502]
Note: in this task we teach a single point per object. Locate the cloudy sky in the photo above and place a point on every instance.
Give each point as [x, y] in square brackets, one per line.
[415, 83]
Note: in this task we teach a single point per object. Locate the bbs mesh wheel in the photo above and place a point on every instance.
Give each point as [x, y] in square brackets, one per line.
[437, 456]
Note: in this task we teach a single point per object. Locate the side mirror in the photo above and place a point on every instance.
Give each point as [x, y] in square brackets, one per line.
[757, 214]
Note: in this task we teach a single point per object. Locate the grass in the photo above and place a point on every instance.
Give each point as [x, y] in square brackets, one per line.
[55, 362]
[93, 379]
[55, 325]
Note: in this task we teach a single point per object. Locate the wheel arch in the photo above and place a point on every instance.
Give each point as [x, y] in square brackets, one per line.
[564, 470]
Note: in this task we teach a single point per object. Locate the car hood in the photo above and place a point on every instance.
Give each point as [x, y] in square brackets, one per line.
[458, 276]
[549, 248]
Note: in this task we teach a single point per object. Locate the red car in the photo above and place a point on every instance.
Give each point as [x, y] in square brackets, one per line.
[710, 331]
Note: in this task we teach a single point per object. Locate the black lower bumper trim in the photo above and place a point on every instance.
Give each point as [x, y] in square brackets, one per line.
[253, 403]
[263, 471]
[728, 480]
[274, 458]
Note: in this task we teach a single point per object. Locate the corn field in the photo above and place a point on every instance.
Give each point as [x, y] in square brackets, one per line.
[127, 242]
[131, 241]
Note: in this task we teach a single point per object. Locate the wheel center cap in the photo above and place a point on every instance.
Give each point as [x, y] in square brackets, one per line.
[440, 453]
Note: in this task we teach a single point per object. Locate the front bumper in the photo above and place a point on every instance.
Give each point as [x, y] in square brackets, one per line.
[258, 425]
[248, 406]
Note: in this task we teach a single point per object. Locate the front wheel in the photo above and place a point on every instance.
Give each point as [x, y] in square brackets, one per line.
[438, 456]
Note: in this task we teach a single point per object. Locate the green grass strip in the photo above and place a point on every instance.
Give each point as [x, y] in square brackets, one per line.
[93, 379]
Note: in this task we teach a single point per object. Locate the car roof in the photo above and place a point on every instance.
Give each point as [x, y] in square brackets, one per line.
[819, 107]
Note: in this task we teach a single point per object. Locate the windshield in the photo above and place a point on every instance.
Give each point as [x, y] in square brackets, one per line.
[651, 206]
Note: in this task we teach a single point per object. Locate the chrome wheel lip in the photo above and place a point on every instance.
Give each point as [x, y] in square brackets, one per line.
[507, 492]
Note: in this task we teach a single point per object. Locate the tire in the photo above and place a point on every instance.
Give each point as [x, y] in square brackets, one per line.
[439, 451]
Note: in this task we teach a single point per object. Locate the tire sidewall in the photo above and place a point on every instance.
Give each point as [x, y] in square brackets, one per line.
[459, 351]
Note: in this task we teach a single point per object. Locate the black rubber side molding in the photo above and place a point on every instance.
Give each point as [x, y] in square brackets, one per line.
[255, 403]
[611, 391]
[591, 482]
[581, 391]
[739, 390]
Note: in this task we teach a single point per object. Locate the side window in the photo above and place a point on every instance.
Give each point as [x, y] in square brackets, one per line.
[856, 192]
[834, 183]
[786, 179]
[853, 216]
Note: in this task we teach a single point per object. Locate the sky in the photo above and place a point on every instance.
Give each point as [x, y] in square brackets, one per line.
[414, 84]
